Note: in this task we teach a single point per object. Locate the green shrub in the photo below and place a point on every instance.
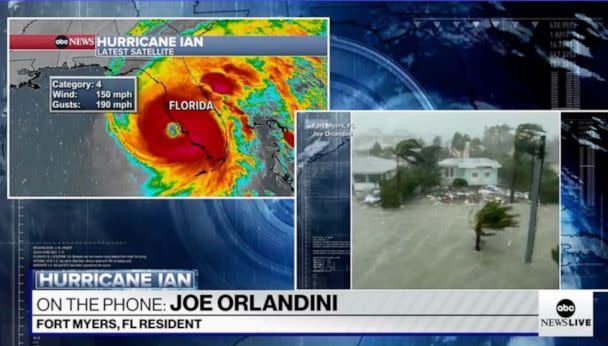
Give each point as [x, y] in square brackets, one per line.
[459, 182]
[549, 187]
[523, 172]
[410, 183]
[389, 194]
[555, 254]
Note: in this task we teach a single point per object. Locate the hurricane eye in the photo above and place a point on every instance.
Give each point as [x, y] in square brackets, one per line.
[174, 130]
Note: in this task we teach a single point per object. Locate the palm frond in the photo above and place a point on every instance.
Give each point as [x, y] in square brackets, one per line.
[407, 150]
[526, 136]
[495, 216]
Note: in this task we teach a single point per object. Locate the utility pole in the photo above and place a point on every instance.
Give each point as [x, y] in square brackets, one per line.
[537, 171]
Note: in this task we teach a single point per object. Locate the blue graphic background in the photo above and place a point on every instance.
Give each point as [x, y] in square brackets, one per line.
[584, 245]
[381, 59]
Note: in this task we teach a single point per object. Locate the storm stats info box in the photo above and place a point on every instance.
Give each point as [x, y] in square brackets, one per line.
[137, 108]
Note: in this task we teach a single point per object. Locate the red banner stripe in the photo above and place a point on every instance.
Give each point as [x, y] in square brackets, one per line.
[52, 41]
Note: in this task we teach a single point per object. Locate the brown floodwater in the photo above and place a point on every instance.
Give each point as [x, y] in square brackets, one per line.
[426, 245]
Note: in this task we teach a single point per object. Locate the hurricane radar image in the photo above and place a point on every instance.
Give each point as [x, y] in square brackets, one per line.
[219, 126]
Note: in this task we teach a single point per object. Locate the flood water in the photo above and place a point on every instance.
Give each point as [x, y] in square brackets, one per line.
[426, 245]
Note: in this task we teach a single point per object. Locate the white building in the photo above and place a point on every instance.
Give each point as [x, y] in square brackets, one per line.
[368, 171]
[476, 171]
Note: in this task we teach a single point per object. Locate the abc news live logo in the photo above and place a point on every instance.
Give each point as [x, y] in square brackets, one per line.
[559, 316]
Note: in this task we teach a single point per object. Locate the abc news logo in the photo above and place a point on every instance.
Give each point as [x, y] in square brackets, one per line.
[565, 308]
[63, 42]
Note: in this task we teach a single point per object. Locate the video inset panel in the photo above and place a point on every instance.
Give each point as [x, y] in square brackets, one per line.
[441, 199]
[160, 107]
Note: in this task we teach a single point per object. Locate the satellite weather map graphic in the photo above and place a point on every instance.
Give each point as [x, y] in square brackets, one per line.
[211, 120]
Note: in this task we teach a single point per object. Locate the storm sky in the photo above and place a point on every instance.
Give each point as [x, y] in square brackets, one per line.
[427, 124]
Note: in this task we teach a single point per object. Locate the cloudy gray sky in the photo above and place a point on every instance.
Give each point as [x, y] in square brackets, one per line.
[427, 124]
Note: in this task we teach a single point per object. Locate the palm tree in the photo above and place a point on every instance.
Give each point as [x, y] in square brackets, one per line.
[524, 144]
[503, 132]
[459, 143]
[493, 216]
[408, 150]
[376, 150]
[497, 139]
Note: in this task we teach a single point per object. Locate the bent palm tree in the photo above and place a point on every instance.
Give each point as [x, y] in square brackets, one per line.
[408, 150]
[525, 143]
[493, 216]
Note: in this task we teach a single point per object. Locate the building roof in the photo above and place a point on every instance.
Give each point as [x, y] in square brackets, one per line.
[470, 162]
[372, 165]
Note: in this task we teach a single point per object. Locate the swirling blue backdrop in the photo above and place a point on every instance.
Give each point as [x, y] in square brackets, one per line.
[385, 55]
